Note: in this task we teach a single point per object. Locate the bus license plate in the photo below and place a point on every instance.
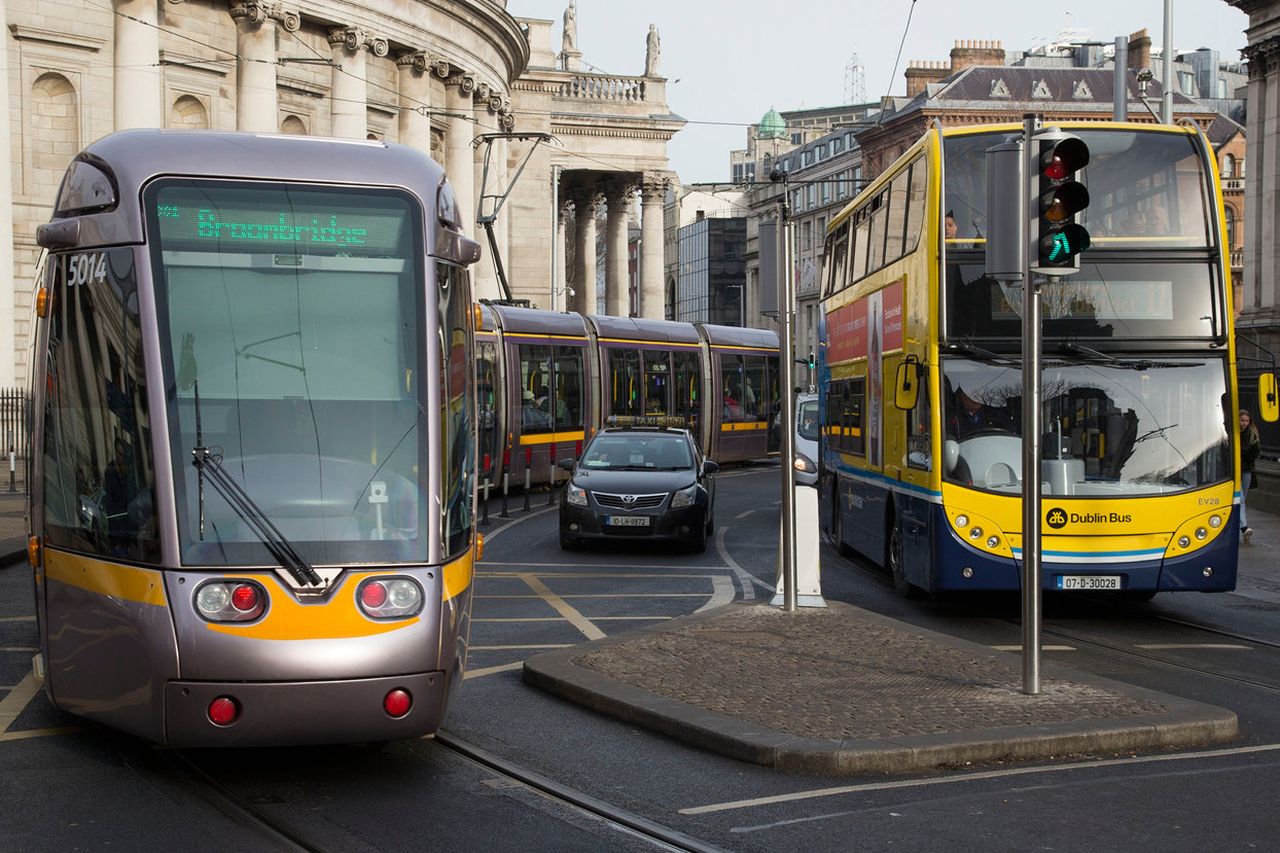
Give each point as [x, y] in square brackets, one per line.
[1088, 582]
[627, 520]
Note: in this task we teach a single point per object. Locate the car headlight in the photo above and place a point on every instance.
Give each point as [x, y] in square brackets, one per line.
[804, 464]
[575, 495]
[684, 497]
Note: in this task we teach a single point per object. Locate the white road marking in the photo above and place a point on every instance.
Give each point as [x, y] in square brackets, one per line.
[743, 515]
[722, 593]
[744, 577]
[489, 537]
[1171, 646]
[512, 648]
[576, 619]
[17, 618]
[491, 670]
[16, 700]
[563, 618]
[1042, 648]
[615, 594]
[966, 778]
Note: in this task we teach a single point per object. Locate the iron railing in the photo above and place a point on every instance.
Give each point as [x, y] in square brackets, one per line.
[1253, 360]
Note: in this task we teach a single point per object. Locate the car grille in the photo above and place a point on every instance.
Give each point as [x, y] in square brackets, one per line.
[640, 502]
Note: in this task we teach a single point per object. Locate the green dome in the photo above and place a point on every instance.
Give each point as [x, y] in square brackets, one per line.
[772, 126]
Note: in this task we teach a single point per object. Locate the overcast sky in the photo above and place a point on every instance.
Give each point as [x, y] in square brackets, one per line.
[729, 61]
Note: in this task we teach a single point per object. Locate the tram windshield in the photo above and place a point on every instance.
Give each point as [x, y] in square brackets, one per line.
[287, 327]
[1118, 426]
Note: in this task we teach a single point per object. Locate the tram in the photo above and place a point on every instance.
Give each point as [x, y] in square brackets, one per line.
[253, 502]
[921, 376]
[549, 379]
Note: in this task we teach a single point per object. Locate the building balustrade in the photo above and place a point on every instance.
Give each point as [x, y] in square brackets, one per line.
[603, 87]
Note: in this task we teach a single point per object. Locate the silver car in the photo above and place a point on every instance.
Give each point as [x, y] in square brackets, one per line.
[806, 439]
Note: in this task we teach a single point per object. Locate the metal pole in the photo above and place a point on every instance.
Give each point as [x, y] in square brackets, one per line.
[1120, 110]
[555, 234]
[1166, 102]
[790, 577]
[1030, 441]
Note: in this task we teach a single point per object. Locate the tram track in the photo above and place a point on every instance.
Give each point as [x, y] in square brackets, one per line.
[637, 825]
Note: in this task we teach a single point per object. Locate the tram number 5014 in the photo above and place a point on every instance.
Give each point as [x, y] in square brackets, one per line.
[86, 267]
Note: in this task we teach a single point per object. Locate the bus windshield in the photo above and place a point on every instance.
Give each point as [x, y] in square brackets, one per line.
[1148, 189]
[1113, 427]
[287, 325]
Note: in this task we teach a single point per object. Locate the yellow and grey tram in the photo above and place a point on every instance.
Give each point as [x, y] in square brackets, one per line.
[255, 440]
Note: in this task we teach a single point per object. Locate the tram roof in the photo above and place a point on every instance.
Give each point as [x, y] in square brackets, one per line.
[641, 329]
[739, 336]
[535, 321]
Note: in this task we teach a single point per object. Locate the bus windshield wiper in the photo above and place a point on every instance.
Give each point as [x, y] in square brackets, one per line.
[209, 464]
[1128, 363]
[979, 353]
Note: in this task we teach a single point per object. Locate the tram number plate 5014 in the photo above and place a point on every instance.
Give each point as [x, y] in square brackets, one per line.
[1088, 582]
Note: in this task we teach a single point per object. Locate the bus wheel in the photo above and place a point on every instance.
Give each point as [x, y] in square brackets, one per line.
[893, 560]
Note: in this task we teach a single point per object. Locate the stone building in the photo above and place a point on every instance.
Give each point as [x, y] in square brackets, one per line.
[434, 76]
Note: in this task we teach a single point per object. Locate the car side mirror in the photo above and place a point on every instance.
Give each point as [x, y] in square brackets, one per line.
[566, 464]
[710, 467]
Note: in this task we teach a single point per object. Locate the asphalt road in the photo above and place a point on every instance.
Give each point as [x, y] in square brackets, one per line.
[68, 786]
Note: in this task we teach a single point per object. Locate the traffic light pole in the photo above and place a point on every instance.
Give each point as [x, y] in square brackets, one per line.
[1031, 346]
[787, 304]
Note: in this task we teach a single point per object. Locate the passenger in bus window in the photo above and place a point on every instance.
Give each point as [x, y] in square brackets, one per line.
[1155, 220]
[969, 416]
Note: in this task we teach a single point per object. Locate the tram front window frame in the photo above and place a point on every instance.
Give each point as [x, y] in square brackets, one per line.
[323, 421]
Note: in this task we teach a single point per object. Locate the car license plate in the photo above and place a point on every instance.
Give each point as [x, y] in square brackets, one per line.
[1088, 582]
[627, 520]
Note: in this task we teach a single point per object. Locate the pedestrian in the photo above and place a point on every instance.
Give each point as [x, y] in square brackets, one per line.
[1250, 448]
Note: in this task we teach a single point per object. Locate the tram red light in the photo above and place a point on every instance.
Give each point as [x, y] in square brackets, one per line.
[244, 597]
[223, 711]
[373, 594]
[397, 703]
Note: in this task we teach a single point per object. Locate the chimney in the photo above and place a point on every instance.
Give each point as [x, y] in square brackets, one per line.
[920, 74]
[969, 52]
[1139, 50]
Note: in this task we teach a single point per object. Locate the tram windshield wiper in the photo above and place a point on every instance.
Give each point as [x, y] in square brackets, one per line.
[209, 466]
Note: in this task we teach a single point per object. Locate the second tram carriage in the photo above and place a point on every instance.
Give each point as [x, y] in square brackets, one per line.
[1141, 469]
[254, 490]
[548, 380]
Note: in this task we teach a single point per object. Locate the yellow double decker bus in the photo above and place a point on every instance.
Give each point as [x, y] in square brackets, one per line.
[920, 374]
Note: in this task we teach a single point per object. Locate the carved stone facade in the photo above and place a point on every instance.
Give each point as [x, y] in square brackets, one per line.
[434, 79]
[1260, 277]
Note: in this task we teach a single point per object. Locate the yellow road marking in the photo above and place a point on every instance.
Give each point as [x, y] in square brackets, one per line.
[512, 648]
[490, 670]
[30, 733]
[617, 594]
[17, 699]
[580, 617]
[17, 618]
[576, 619]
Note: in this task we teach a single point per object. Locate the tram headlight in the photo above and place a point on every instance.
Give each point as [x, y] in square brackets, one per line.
[230, 600]
[389, 598]
[575, 495]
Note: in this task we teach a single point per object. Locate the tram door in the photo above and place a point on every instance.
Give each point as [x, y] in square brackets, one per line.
[490, 404]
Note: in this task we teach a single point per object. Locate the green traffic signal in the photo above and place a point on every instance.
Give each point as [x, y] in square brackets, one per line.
[1059, 199]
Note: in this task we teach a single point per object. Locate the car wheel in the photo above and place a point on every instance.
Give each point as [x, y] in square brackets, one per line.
[893, 559]
[569, 543]
[698, 541]
[711, 525]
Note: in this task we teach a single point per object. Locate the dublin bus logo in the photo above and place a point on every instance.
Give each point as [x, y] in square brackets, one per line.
[1056, 518]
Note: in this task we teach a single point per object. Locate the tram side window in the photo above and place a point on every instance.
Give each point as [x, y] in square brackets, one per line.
[455, 410]
[487, 397]
[687, 388]
[731, 376]
[99, 472]
[535, 376]
[624, 382]
[565, 401]
[657, 383]
[754, 388]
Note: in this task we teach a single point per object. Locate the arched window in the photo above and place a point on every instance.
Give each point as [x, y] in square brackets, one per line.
[293, 126]
[188, 112]
[55, 128]
[1228, 166]
[1231, 227]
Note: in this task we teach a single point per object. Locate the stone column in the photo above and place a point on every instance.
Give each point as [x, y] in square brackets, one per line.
[653, 196]
[1269, 181]
[137, 65]
[584, 253]
[615, 261]
[560, 300]
[459, 156]
[8, 331]
[349, 90]
[257, 109]
[1253, 182]
[414, 84]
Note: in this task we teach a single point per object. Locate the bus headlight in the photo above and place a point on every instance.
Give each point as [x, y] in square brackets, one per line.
[575, 496]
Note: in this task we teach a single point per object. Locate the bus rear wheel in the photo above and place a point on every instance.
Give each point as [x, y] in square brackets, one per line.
[893, 560]
[837, 525]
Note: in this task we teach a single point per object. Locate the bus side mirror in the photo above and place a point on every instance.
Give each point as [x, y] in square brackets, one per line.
[1268, 402]
[907, 386]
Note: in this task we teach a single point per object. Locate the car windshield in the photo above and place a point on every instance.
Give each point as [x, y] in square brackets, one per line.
[807, 420]
[638, 451]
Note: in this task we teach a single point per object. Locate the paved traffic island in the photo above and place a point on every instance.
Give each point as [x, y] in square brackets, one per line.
[844, 691]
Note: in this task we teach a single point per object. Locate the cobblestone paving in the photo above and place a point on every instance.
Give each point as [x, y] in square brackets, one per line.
[856, 679]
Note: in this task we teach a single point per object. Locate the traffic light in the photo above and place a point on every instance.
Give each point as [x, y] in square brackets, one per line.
[1056, 200]
[812, 361]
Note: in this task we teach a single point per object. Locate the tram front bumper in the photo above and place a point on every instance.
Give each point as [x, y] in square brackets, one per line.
[305, 712]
